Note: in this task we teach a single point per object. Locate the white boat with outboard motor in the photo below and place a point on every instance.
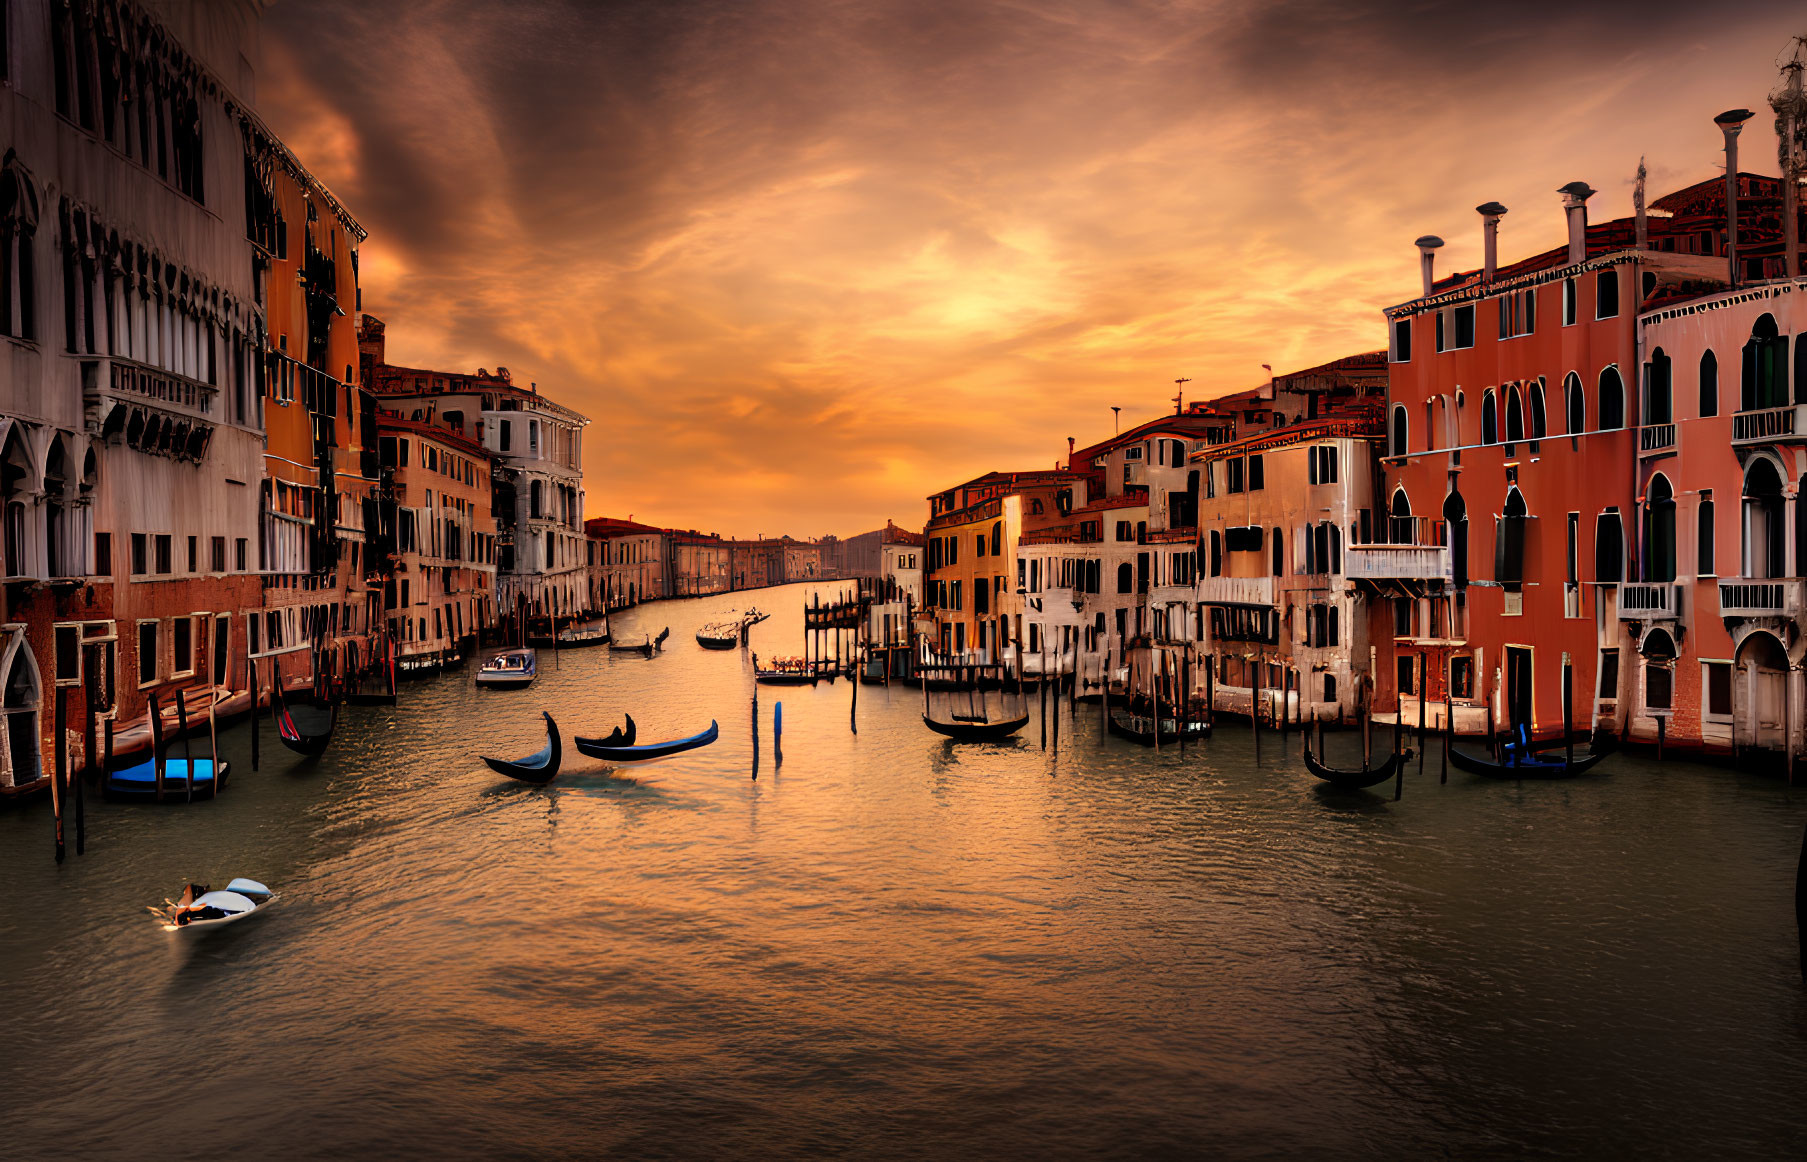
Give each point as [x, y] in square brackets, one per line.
[202, 910]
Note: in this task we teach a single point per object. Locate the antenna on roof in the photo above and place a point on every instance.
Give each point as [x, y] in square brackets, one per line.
[1117, 419]
[1178, 399]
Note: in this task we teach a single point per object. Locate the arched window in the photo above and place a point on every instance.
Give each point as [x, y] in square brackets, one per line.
[1763, 519]
[1575, 400]
[23, 763]
[1401, 431]
[997, 538]
[1515, 415]
[1534, 418]
[1659, 396]
[1709, 383]
[1455, 521]
[1490, 421]
[1765, 383]
[1509, 543]
[1399, 519]
[1612, 400]
[18, 278]
[1659, 530]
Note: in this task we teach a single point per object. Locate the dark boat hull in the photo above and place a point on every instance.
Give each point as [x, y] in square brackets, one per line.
[306, 743]
[717, 643]
[976, 731]
[540, 767]
[1354, 780]
[597, 748]
[770, 679]
[1534, 767]
[1194, 732]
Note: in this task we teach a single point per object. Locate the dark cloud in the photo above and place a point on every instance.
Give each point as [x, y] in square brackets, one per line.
[806, 261]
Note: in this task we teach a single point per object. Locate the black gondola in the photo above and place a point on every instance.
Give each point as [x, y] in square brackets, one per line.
[1521, 760]
[975, 731]
[1357, 779]
[540, 766]
[620, 736]
[1141, 728]
[308, 743]
[599, 748]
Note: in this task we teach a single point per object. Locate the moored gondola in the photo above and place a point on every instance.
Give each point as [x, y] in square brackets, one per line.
[644, 644]
[784, 672]
[599, 748]
[1141, 728]
[538, 767]
[719, 635]
[1518, 761]
[975, 729]
[1355, 780]
[308, 739]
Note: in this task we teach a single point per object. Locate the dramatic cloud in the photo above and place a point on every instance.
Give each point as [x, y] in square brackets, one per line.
[804, 262]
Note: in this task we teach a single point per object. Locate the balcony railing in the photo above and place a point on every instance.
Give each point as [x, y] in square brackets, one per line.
[1397, 563]
[1783, 425]
[1232, 591]
[1654, 438]
[1179, 594]
[1649, 601]
[1760, 597]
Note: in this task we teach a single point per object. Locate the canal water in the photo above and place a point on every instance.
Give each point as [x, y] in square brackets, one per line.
[891, 945]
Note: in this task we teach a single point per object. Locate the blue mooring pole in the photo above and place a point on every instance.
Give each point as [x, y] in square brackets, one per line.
[778, 733]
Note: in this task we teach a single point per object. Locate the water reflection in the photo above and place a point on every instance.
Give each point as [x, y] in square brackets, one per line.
[895, 944]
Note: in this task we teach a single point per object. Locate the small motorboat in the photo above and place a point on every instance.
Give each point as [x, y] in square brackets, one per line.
[1355, 780]
[540, 766]
[509, 670]
[753, 617]
[643, 644]
[1142, 728]
[201, 910]
[719, 635]
[784, 672]
[1523, 759]
[308, 737]
[976, 728]
[652, 752]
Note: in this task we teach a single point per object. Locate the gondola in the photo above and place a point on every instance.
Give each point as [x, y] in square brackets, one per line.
[646, 645]
[540, 766]
[1521, 760]
[598, 748]
[310, 743]
[578, 637]
[976, 731]
[719, 635]
[1357, 779]
[1141, 728]
[139, 781]
[509, 670]
[620, 736]
[200, 910]
[784, 672]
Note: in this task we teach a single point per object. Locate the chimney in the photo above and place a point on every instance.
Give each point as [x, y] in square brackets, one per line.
[1427, 259]
[1574, 204]
[1491, 213]
[1731, 123]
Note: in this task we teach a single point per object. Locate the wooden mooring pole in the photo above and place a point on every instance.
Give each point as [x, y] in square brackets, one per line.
[59, 772]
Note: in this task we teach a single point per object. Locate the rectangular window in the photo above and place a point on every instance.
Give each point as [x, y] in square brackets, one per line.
[139, 563]
[241, 553]
[1461, 676]
[147, 652]
[1402, 341]
[217, 546]
[181, 651]
[1464, 321]
[103, 554]
[1257, 474]
[194, 559]
[1568, 302]
[1606, 287]
[1609, 673]
[1659, 687]
[68, 655]
[1233, 468]
[1719, 688]
[1705, 534]
[506, 436]
[163, 552]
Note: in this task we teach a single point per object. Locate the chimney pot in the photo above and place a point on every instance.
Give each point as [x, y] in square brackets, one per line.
[1491, 213]
[1427, 258]
[1574, 204]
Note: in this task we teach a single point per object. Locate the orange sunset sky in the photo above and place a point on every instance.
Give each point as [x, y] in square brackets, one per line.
[803, 261]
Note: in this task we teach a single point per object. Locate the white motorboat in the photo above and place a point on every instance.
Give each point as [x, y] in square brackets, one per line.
[201, 910]
[509, 670]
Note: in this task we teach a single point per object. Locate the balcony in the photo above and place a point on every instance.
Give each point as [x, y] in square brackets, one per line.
[1397, 563]
[1783, 425]
[1228, 591]
[1649, 601]
[1656, 439]
[1173, 594]
[1760, 597]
